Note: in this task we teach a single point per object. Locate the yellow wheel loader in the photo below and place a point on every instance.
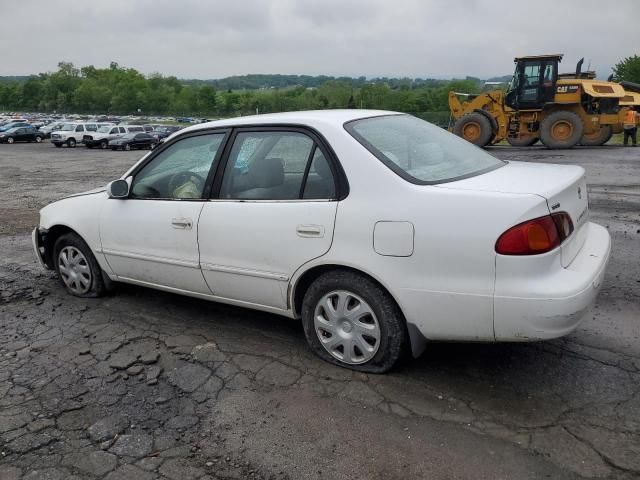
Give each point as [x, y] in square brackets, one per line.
[560, 110]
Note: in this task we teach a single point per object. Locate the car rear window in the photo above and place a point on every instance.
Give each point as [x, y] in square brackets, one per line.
[420, 152]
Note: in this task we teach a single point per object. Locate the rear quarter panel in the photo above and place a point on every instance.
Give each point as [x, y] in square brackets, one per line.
[445, 288]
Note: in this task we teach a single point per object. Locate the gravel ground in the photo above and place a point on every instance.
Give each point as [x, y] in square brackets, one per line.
[145, 384]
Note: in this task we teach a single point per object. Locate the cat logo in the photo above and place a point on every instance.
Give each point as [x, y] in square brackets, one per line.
[566, 88]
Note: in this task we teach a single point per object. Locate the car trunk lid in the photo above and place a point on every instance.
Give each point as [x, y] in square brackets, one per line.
[563, 187]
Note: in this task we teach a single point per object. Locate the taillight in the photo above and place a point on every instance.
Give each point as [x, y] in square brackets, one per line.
[536, 236]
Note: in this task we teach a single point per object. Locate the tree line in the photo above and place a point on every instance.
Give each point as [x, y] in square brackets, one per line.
[120, 90]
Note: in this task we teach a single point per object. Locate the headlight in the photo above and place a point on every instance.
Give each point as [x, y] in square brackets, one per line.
[2, 135]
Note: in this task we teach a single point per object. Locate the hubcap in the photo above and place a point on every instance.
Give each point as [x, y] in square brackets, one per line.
[471, 131]
[562, 130]
[74, 270]
[347, 327]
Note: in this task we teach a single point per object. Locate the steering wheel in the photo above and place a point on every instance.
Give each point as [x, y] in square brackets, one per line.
[180, 178]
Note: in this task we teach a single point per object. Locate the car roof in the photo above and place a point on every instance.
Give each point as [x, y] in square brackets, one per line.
[307, 117]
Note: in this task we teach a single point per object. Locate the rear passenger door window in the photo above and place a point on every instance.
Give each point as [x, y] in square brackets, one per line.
[274, 166]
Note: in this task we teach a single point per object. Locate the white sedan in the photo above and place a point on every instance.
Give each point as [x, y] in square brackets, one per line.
[378, 230]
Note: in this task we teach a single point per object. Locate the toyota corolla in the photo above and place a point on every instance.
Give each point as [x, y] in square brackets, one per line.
[379, 231]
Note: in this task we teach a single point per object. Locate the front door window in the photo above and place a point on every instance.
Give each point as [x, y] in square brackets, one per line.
[180, 171]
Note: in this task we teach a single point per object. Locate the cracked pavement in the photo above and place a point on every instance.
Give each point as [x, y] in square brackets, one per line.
[145, 384]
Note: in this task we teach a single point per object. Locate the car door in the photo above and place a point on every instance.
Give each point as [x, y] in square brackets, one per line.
[274, 210]
[151, 236]
[19, 135]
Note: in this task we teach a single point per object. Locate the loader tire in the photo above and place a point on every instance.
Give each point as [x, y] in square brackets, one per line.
[522, 142]
[475, 128]
[561, 130]
[600, 137]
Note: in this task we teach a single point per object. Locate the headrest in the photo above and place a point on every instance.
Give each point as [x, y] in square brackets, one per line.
[267, 172]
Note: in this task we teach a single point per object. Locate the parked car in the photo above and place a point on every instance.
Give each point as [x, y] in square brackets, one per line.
[378, 230]
[10, 125]
[21, 134]
[164, 131]
[51, 127]
[72, 133]
[107, 133]
[133, 141]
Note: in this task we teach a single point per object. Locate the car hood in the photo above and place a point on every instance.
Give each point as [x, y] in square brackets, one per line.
[88, 192]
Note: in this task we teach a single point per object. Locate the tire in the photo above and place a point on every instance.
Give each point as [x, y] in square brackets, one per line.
[38, 139]
[475, 128]
[602, 136]
[88, 281]
[57, 145]
[561, 130]
[71, 143]
[10, 140]
[522, 142]
[127, 147]
[383, 320]
[104, 144]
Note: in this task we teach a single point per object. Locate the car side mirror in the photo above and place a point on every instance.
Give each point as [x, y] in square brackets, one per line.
[118, 189]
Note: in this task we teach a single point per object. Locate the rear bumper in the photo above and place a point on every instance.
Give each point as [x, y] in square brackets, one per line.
[550, 305]
[38, 247]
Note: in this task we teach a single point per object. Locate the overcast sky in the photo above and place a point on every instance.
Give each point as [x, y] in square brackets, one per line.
[214, 39]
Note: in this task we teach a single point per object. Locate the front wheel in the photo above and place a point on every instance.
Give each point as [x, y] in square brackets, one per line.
[351, 321]
[71, 143]
[475, 128]
[10, 140]
[58, 145]
[77, 268]
[104, 144]
[127, 147]
[38, 139]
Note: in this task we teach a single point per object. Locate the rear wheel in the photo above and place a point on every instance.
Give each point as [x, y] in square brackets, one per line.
[522, 142]
[351, 321]
[475, 128]
[597, 138]
[77, 268]
[71, 143]
[127, 147]
[561, 130]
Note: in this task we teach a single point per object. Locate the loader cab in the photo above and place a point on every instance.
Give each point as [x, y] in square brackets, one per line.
[533, 83]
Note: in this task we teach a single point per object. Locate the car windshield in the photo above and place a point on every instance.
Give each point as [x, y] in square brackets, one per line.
[420, 152]
[68, 127]
[105, 129]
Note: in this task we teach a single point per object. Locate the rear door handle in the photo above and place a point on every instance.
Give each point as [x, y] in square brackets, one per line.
[182, 223]
[310, 231]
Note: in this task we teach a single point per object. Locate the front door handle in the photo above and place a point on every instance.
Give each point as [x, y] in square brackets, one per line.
[310, 231]
[182, 223]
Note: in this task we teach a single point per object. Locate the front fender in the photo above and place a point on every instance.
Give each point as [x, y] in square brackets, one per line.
[81, 214]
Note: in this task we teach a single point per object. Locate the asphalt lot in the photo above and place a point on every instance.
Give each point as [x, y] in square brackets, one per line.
[145, 384]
